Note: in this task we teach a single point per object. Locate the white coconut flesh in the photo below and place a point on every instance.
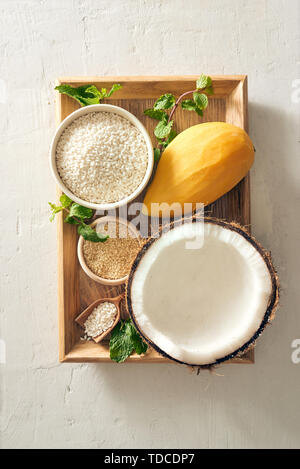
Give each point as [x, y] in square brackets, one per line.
[200, 305]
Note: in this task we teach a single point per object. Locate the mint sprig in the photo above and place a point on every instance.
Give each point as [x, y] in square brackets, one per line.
[164, 130]
[87, 94]
[77, 215]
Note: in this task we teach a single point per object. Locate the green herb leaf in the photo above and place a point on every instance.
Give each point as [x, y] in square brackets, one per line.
[120, 344]
[191, 105]
[201, 100]
[171, 136]
[157, 114]
[203, 82]
[65, 200]
[71, 220]
[209, 90]
[85, 95]
[199, 111]
[89, 234]
[188, 104]
[168, 140]
[115, 87]
[163, 129]
[80, 212]
[139, 345]
[166, 101]
[76, 216]
[156, 154]
[54, 209]
[124, 340]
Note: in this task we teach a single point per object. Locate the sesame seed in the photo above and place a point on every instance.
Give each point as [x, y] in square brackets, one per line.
[112, 259]
[100, 319]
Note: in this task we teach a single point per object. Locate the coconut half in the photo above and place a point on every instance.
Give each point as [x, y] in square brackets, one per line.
[202, 292]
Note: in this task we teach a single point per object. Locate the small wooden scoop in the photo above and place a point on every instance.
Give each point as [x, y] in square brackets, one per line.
[85, 314]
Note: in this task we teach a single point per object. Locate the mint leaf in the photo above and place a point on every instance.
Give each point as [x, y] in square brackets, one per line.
[188, 104]
[71, 220]
[115, 87]
[139, 345]
[163, 129]
[124, 340]
[157, 114]
[201, 100]
[209, 90]
[65, 200]
[54, 209]
[171, 136]
[156, 154]
[89, 234]
[85, 95]
[199, 111]
[166, 101]
[203, 82]
[120, 344]
[168, 140]
[196, 105]
[80, 212]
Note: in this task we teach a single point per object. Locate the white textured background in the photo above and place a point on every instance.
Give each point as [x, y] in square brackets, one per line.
[44, 404]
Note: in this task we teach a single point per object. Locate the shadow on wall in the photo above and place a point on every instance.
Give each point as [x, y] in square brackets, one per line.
[251, 405]
[275, 201]
[275, 189]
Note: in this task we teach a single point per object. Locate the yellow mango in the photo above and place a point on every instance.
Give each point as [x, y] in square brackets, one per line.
[200, 165]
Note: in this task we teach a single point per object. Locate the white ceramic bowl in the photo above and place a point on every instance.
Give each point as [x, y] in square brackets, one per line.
[100, 108]
[96, 278]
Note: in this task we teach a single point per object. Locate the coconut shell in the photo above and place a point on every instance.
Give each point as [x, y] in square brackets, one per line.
[270, 311]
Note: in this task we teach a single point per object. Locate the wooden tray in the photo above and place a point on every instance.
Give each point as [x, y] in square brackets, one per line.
[75, 290]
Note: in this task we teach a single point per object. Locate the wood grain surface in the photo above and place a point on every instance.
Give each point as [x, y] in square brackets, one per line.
[76, 291]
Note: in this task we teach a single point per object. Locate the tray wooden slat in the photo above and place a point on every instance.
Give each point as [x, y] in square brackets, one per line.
[75, 290]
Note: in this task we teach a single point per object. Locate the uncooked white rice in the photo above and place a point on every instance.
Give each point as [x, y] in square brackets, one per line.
[101, 319]
[101, 157]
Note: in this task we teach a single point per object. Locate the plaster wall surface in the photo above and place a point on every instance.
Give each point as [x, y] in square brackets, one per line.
[48, 405]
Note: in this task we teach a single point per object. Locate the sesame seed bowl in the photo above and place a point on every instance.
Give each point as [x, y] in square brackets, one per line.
[109, 263]
[101, 156]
